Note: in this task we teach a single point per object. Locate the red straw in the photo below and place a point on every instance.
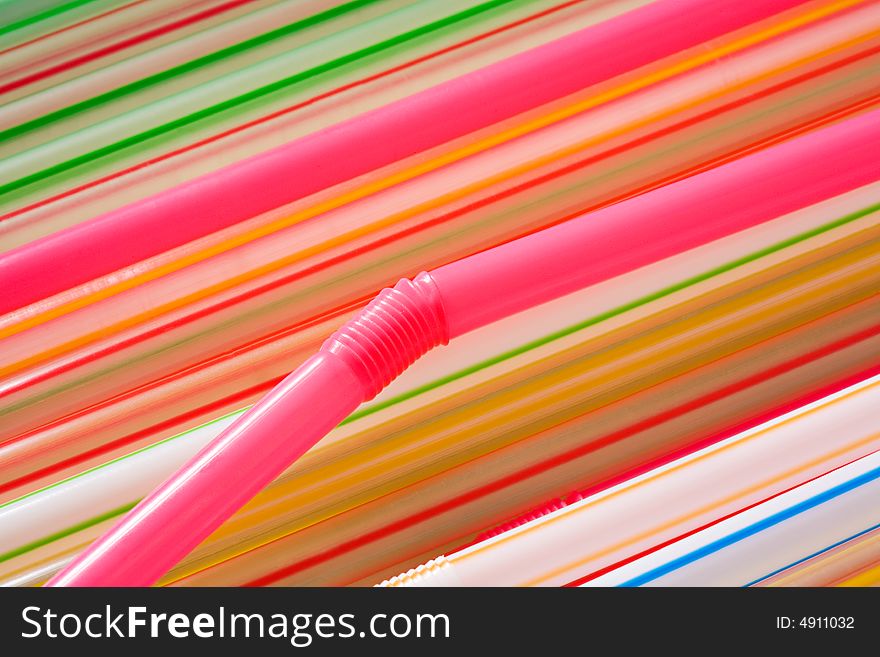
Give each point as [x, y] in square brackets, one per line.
[341, 152]
[403, 323]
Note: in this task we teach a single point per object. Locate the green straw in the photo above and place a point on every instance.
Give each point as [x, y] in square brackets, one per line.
[181, 69]
[240, 99]
[14, 14]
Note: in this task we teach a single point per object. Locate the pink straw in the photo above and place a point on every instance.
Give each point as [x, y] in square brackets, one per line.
[341, 152]
[403, 323]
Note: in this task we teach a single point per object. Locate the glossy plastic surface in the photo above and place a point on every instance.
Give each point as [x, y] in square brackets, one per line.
[354, 364]
[366, 142]
[518, 275]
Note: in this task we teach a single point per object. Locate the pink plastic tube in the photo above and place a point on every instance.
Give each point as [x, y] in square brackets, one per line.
[403, 323]
[564, 258]
[346, 150]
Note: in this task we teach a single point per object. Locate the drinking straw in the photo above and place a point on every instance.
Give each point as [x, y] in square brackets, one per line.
[115, 434]
[120, 45]
[350, 468]
[218, 47]
[478, 290]
[739, 550]
[608, 530]
[581, 133]
[404, 322]
[835, 564]
[290, 113]
[372, 140]
[62, 506]
[19, 15]
[104, 134]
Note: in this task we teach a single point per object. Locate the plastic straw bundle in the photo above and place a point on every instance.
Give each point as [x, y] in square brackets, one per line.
[193, 196]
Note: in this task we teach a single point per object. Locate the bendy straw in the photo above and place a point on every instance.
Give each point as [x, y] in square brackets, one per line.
[401, 129]
[403, 323]
[354, 470]
[296, 266]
